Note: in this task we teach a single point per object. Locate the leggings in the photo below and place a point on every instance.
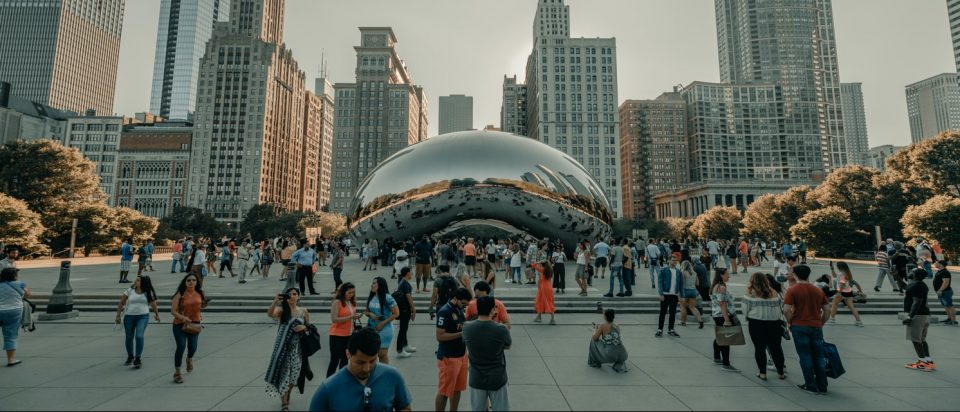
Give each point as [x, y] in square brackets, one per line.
[338, 353]
[184, 341]
[766, 334]
[134, 326]
[721, 353]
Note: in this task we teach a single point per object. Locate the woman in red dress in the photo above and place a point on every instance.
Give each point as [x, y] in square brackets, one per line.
[544, 300]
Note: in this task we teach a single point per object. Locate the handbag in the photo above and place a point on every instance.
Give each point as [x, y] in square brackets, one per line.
[310, 341]
[784, 328]
[190, 328]
[730, 335]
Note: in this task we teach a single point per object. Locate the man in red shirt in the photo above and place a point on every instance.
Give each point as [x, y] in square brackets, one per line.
[481, 289]
[806, 309]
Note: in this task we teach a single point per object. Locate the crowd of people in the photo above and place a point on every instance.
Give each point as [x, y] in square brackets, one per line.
[473, 326]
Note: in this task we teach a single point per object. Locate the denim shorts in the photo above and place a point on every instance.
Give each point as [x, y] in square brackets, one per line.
[946, 298]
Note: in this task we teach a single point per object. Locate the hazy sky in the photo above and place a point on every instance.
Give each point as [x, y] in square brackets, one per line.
[467, 46]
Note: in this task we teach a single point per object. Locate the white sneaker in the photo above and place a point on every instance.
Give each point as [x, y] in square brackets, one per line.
[410, 349]
[404, 354]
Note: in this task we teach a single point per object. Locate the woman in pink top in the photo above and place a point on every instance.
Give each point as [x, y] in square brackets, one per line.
[845, 284]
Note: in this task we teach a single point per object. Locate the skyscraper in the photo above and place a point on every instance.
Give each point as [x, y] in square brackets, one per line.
[456, 113]
[376, 116]
[324, 91]
[182, 34]
[513, 110]
[790, 43]
[62, 53]
[248, 130]
[854, 123]
[953, 13]
[653, 151]
[572, 96]
[933, 106]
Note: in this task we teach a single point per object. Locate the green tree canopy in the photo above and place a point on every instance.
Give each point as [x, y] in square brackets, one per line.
[330, 224]
[189, 221]
[936, 219]
[678, 227]
[829, 231]
[133, 224]
[20, 226]
[56, 182]
[851, 188]
[932, 163]
[760, 220]
[718, 222]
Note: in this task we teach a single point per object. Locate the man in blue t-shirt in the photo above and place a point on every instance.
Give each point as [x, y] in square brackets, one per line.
[363, 385]
[126, 256]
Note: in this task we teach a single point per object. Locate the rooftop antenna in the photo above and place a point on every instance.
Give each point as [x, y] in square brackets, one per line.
[323, 63]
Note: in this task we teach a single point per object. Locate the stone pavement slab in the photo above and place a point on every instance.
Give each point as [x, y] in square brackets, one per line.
[78, 366]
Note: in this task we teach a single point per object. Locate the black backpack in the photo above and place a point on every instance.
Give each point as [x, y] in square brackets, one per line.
[401, 299]
[446, 291]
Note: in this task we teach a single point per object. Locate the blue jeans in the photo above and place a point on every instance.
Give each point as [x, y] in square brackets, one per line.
[10, 323]
[809, 344]
[184, 341]
[515, 274]
[616, 272]
[713, 261]
[654, 272]
[173, 264]
[133, 327]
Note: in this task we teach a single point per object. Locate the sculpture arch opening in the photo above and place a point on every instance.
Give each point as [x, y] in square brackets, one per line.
[480, 176]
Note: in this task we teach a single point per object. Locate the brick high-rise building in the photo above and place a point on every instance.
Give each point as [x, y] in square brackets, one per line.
[248, 131]
[513, 110]
[376, 116]
[654, 151]
[62, 53]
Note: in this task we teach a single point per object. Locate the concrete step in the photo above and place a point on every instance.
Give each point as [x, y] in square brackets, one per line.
[515, 304]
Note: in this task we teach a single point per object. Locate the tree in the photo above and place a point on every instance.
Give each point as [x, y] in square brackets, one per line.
[330, 224]
[56, 182]
[189, 221]
[622, 228]
[936, 219]
[678, 227]
[796, 202]
[95, 229]
[829, 231]
[933, 163]
[718, 222]
[20, 226]
[657, 228]
[851, 188]
[129, 223]
[894, 197]
[760, 220]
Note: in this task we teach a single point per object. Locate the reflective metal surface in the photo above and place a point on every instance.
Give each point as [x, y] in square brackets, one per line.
[459, 178]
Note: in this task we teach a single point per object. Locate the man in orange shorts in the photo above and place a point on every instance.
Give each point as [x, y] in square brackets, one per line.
[452, 351]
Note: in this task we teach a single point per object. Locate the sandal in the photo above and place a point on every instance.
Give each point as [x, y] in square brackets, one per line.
[177, 378]
[762, 376]
[189, 365]
[782, 377]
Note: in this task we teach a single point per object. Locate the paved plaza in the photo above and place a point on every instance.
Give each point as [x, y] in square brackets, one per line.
[78, 364]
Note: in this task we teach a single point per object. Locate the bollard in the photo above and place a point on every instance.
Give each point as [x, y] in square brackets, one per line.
[291, 277]
[60, 305]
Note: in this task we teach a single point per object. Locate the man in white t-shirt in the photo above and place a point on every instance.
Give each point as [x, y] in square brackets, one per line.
[714, 248]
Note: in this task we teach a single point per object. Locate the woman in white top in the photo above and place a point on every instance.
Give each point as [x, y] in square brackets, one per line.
[136, 304]
[198, 258]
[559, 272]
[763, 308]
[583, 258]
[516, 263]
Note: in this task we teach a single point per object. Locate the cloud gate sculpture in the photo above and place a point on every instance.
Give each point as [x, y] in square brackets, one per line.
[480, 177]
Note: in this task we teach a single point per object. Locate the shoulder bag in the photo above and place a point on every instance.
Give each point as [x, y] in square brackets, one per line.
[190, 328]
